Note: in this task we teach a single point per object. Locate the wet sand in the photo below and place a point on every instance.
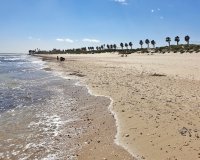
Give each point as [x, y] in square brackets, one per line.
[156, 101]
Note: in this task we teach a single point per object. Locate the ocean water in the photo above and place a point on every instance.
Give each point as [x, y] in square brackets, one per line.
[38, 111]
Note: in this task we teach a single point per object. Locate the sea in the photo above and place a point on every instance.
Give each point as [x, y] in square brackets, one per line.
[39, 110]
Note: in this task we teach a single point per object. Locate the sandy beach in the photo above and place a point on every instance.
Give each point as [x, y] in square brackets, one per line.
[155, 108]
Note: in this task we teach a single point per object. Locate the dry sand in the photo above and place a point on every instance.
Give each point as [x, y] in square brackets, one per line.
[156, 101]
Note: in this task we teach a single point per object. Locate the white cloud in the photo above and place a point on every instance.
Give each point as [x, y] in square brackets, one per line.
[69, 40]
[60, 40]
[155, 10]
[124, 2]
[91, 40]
[65, 40]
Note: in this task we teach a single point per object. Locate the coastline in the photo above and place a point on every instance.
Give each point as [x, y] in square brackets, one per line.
[150, 133]
[114, 115]
[94, 145]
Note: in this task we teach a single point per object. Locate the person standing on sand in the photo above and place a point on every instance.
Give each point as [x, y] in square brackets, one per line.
[57, 58]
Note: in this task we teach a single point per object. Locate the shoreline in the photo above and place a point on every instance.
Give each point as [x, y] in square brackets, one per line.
[152, 131]
[113, 113]
[119, 152]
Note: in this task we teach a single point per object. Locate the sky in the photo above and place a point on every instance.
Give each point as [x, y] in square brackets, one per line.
[64, 24]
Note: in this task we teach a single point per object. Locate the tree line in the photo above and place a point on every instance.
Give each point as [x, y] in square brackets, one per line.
[177, 40]
[130, 44]
[110, 47]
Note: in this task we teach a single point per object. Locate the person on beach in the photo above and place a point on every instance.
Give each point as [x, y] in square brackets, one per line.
[57, 58]
[62, 59]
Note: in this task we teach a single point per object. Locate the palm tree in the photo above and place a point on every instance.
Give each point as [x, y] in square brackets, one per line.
[147, 42]
[187, 39]
[153, 43]
[131, 44]
[83, 49]
[168, 40]
[115, 46]
[122, 45]
[177, 39]
[126, 45]
[111, 46]
[108, 46]
[141, 43]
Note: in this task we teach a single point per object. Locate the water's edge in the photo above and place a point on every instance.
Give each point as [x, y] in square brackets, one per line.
[81, 82]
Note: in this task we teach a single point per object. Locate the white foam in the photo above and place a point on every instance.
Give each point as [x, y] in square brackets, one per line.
[24, 158]
[62, 75]
[12, 59]
[36, 62]
[33, 145]
[14, 153]
[117, 142]
[1, 155]
[51, 157]
[48, 124]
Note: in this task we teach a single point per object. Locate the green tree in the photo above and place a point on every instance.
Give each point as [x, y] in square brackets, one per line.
[141, 43]
[177, 39]
[122, 45]
[108, 46]
[111, 46]
[131, 44]
[115, 46]
[153, 43]
[168, 40]
[147, 42]
[187, 39]
[126, 45]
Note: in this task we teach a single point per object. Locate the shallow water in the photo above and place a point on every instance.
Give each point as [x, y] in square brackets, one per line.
[40, 112]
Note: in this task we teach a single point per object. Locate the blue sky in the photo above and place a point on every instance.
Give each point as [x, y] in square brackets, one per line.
[62, 24]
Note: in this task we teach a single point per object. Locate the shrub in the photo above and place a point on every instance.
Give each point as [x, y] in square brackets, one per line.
[182, 51]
